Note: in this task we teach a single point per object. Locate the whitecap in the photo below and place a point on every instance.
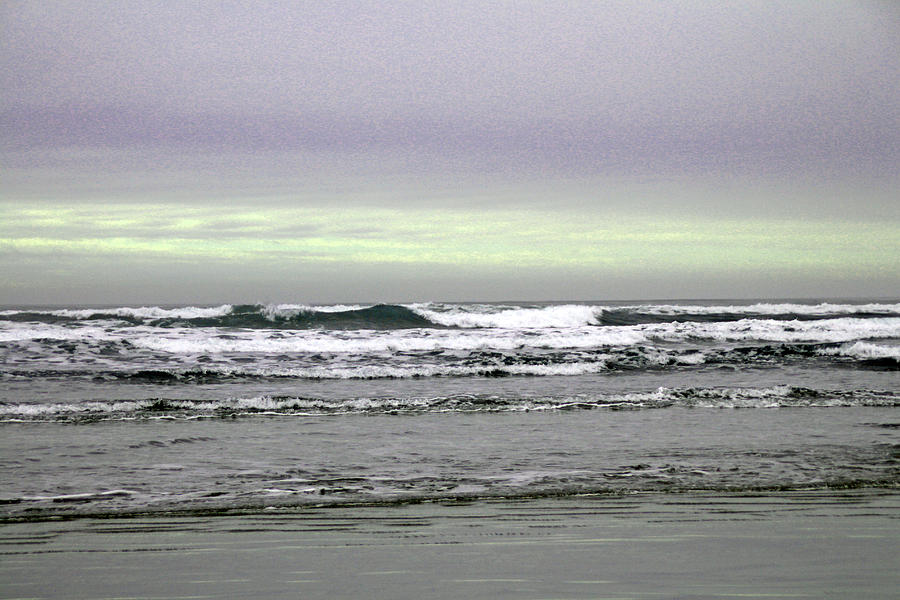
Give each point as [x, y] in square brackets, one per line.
[565, 315]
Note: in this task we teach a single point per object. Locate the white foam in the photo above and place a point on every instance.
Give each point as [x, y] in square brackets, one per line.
[693, 358]
[45, 410]
[781, 396]
[143, 312]
[575, 315]
[82, 496]
[566, 315]
[767, 330]
[484, 315]
[773, 397]
[864, 350]
[286, 311]
[354, 342]
[403, 372]
[17, 332]
[210, 341]
[823, 308]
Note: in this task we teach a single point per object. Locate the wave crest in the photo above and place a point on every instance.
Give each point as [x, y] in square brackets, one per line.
[486, 316]
[437, 315]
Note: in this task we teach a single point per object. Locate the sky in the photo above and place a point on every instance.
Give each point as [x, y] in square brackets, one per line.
[210, 152]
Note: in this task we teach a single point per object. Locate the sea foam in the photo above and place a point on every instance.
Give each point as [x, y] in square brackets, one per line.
[567, 315]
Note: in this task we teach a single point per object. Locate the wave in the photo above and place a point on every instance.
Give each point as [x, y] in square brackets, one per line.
[866, 350]
[437, 315]
[141, 314]
[823, 309]
[477, 363]
[247, 316]
[693, 398]
[193, 354]
[414, 365]
[409, 365]
[577, 315]
[489, 363]
[490, 316]
[196, 340]
[289, 492]
[868, 355]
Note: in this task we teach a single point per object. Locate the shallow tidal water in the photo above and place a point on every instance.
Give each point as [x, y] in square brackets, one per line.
[171, 465]
[819, 544]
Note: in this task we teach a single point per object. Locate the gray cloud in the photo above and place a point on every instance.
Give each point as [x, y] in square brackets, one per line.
[681, 110]
[613, 81]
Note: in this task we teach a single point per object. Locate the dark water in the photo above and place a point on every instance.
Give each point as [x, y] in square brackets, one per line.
[245, 407]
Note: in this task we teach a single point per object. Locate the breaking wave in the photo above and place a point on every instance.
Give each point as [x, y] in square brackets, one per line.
[437, 315]
[250, 316]
[474, 363]
[692, 398]
[200, 339]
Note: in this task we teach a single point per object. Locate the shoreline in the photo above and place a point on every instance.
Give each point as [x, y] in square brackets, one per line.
[263, 507]
[698, 545]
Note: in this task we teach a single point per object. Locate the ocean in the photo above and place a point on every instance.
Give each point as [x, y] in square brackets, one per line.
[171, 410]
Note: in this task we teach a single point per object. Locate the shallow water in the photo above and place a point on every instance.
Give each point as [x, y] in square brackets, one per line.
[177, 464]
[824, 544]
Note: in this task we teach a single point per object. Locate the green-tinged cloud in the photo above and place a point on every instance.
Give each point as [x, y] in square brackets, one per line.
[573, 240]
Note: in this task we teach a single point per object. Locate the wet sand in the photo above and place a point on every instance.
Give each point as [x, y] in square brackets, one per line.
[775, 545]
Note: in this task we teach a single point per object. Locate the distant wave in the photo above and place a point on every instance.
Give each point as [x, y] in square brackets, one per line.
[488, 316]
[250, 316]
[201, 340]
[145, 313]
[576, 315]
[824, 309]
[438, 315]
[649, 314]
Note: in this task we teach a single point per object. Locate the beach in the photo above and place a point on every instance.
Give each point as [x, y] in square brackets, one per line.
[834, 544]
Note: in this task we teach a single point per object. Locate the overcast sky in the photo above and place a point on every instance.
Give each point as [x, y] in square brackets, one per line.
[321, 151]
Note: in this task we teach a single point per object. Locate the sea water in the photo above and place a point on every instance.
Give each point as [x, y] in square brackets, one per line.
[123, 410]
